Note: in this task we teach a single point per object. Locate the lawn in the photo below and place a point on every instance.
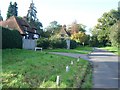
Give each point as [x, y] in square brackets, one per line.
[80, 50]
[112, 49]
[35, 69]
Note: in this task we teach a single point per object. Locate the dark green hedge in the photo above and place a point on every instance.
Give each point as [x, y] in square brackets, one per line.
[46, 43]
[11, 39]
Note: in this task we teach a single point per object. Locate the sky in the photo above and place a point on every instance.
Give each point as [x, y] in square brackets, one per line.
[64, 11]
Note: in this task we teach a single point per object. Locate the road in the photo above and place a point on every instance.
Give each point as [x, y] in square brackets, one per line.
[105, 73]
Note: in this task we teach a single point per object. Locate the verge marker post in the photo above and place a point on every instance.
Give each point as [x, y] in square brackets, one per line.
[58, 81]
[67, 68]
[78, 59]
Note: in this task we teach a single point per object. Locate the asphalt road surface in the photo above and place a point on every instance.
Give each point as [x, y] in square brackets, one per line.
[106, 72]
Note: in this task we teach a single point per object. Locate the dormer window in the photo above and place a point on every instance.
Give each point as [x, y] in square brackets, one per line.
[35, 31]
[36, 36]
[26, 32]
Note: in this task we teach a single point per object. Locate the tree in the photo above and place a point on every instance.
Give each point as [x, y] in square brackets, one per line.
[33, 20]
[79, 37]
[102, 29]
[75, 27]
[53, 29]
[1, 18]
[115, 34]
[31, 15]
[12, 10]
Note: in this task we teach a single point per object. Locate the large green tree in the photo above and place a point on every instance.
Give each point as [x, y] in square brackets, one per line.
[12, 10]
[115, 34]
[102, 29]
[53, 29]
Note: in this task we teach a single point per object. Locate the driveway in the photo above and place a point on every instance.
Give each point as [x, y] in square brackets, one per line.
[84, 56]
[105, 73]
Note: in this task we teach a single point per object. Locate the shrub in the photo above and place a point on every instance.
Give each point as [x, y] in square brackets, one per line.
[57, 43]
[43, 42]
[11, 39]
[73, 44]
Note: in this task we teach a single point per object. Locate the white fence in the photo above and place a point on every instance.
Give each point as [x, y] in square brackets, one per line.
[29, 44]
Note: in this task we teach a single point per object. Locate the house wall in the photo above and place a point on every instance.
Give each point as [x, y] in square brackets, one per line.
[29, 44]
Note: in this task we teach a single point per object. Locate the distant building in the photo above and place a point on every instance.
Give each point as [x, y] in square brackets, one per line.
[16, 23]
[63, 33]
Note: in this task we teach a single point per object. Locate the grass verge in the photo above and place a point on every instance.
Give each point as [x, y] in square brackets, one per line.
[80, 50]
[112, 49]
[30, 69]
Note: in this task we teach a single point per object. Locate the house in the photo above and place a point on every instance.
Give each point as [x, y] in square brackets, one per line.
[26, 30]
[63, 33]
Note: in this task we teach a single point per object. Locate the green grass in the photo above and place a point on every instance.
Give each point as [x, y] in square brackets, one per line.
[112, 49]
[30, 69]
[80, 50]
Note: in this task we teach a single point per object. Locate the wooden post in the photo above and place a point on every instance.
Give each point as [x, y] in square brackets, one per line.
[58, 80]
[67, 68]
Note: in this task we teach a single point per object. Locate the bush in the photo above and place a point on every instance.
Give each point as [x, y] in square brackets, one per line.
[43, 42]
[56, 43]
[11, 39]
[73, 44]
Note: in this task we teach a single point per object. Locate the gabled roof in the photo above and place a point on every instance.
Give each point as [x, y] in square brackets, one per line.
[17, 23]
[63, 31]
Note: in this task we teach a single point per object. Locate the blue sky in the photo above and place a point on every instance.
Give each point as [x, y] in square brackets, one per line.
[64, 11]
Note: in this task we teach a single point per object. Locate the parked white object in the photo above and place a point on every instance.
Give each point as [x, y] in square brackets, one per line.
[38, 48]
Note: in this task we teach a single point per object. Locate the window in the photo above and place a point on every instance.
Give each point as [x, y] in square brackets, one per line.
[36, 36]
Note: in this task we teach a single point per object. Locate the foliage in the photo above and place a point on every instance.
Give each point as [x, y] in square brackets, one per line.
[73, 44]
[94, 41]
[54, 43]
[75, 28]
[29, 69]
[79, 37]
[102, 29]
[115, 34]
[57, 43]
[78, 50]
[31, 15]
[115, 50]
[12, 10]
[33, 20]
[52, 29]
[11, 39]
[43, 42]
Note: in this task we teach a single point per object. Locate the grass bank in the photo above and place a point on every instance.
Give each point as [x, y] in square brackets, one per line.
[112, 49]
[30, 69]
[80, 50]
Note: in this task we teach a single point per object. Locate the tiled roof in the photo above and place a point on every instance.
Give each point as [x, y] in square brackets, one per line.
[17, 23]
[63, 31]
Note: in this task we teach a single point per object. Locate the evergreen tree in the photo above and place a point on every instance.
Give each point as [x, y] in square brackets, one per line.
[32, 18]
[12, 10]
[31, 15]
[1, 18]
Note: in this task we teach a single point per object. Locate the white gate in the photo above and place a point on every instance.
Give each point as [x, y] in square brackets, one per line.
[29, 44]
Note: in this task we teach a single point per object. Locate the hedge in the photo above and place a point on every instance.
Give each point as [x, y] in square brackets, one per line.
[46, 43]
[11, 39]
